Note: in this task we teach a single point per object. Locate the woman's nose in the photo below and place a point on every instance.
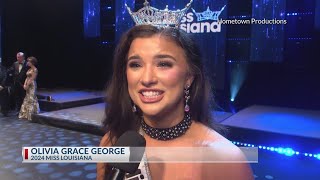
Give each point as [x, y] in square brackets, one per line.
[148, 77]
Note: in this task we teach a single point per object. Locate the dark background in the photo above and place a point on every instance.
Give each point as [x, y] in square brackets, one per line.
[292, 82]
[53, 32]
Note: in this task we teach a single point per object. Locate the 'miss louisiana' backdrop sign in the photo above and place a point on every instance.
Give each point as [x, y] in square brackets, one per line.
[201, 21]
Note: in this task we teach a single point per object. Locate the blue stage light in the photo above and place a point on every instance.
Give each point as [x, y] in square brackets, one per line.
[289, 152]
[238, 74]
[284, 151]
[299, 14]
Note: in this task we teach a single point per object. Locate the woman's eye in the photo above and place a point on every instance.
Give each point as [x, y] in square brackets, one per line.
[164, 64]
[134, 65]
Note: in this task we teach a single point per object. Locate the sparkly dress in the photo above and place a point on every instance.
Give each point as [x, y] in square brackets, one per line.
[30, 103]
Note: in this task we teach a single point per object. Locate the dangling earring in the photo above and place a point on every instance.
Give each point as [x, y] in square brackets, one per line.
[186, 97]
[134, 108]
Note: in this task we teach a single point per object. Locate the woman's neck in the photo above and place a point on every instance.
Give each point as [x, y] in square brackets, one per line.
[166, 119]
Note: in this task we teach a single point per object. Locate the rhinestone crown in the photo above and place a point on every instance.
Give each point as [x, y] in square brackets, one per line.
[149, 15]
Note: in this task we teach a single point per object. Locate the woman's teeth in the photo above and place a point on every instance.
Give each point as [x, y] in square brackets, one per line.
[150, 93]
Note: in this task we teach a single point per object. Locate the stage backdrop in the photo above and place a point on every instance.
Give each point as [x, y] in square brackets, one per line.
[200, 21]
[91, 18]
[267, 41]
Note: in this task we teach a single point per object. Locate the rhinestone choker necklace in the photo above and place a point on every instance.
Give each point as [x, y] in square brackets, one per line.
[165, 134]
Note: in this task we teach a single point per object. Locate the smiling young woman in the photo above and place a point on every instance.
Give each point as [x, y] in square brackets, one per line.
[157, 73]
[159, 89]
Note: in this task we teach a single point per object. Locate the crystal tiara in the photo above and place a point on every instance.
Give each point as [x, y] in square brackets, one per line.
[149, 15]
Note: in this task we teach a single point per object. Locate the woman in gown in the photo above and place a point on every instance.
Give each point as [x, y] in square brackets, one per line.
[30, 103]
[159, 89]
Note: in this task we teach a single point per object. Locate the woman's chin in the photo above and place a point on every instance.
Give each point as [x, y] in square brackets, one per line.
[151, 111]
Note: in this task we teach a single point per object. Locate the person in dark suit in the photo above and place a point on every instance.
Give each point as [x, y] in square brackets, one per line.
[20, 74]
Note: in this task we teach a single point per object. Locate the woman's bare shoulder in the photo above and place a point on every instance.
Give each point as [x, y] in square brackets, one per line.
[105, 140]
[214, 140]
[200, 131]
[226, 156]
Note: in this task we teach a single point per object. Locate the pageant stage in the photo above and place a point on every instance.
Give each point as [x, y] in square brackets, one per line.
[85, 108]
[79, 124]
[80, 110]
[56, 99]
[276, 126]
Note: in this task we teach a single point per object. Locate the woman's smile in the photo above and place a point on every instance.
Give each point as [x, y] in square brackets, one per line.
[151, 95]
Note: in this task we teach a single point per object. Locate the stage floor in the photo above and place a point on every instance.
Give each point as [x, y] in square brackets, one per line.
[285, 121]
[82, 126]
[53, 100]
[68, 95]
[89, 118]
[94, 114]
[289, 121]
[91, 114]
[16, 134]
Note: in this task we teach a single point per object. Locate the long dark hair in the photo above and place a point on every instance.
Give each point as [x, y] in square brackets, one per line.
[33, 60]
[119, 115]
